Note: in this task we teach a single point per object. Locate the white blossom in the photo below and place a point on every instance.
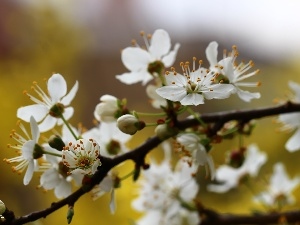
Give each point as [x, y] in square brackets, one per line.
[165, 190]
[193, 87]
[56, 176]
[191, 142]
[82, 156]
[139, 60]
[49, 107]
[111, 139]
[230, 177]
[30, 151]
[234, 72]
[105, 111]
[291, 121]
[280, 190]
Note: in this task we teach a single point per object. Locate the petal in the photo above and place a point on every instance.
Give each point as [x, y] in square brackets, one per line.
[246, 95]
[160, 44]
[35, 132]
[172, 93]
[27, 149]
[228, 69]
[178, 79]
[220, 91]
[192, 99]
[68, 113]
[57, 87]
[70, 96]
[47, 124]
[293, 144]
[134, 77]
[63, 189]
[170, 58]
[135, 59]
[296, 88]
[112, 203]
[49, 179]
[29, 172]
[37, 111]
[212, 53]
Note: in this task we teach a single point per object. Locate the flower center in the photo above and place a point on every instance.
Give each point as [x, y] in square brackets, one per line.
[84, 162]
[155, 67]
[113, 147]
[37, 151]
[57, 110]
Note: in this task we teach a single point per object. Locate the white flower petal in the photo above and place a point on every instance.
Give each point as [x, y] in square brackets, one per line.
[27, 149]
[29, 172]
[246, 95]
[172, 93]
[35, 132]
[37, 111]
[219, 91]
[134, 77]
[47, 124]
[212, 53]
[63, 189]
[192, 99]
[170, 58]
[135, 59]
[57, 87]
[293, 144]
[70, 96]
[160, 44]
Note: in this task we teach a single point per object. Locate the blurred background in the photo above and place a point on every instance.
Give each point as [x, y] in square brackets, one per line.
[82, 40]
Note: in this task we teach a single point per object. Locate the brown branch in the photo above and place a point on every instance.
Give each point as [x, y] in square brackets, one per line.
[138, 154]
[211, 217]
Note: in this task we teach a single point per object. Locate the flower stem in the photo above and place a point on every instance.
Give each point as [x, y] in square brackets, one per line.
[51, 153]
[69, 127]
[127, 175]
[196, 116]
[149, 114]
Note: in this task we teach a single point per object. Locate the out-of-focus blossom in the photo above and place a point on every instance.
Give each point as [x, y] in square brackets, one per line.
[166, 191]
[191, 143]
[230, 177]
[143, 64]
[280, 190]
[291, 121]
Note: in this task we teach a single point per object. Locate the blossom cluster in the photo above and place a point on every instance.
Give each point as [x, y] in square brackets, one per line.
[167, 194]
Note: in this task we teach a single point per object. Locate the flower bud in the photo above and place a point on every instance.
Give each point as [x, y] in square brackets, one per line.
[106, 110]
[56, 142]
[164, 131]
[129, 124]
[2, 207]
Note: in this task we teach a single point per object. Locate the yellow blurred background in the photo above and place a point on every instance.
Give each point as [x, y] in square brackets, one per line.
[82, 41]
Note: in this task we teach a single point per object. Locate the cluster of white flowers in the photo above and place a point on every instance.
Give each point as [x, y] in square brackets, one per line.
[166, 195]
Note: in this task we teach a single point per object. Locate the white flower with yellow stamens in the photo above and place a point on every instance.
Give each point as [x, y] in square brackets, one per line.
[229, 71]
[49, 108]
[82, 156]
[143, 64]
[29, 149]
[193, 86]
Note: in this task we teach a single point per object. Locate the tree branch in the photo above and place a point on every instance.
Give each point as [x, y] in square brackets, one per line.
[138, 154]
